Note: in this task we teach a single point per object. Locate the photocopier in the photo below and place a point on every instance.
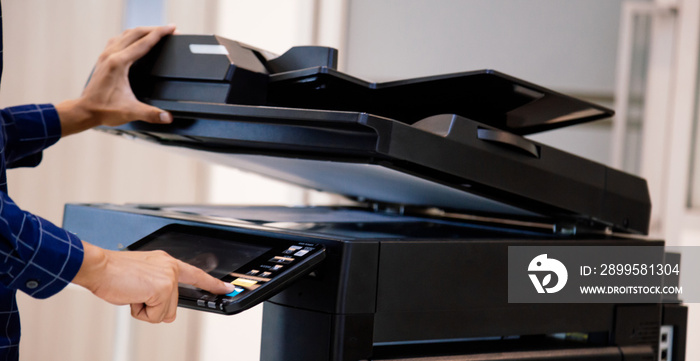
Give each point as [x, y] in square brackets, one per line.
[442, 182]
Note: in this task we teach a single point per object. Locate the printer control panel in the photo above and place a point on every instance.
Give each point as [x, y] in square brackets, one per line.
[257, 266]
[256, 274]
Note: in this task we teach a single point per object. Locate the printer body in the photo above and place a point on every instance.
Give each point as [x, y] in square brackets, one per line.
[443, 181]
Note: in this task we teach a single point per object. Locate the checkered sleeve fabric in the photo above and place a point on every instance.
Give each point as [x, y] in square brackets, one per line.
[29, 129]
[36, 256]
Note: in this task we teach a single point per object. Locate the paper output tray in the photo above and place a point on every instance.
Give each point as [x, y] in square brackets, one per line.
[486, 96]
[213, 69]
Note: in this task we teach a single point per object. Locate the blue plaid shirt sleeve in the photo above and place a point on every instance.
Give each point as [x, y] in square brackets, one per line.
[29, 129]
[36, 256]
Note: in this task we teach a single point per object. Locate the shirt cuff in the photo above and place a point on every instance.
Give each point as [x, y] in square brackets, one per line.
[56, 260]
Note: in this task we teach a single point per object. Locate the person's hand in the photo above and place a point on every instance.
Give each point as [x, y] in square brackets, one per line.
[108, 99]
[148, 281]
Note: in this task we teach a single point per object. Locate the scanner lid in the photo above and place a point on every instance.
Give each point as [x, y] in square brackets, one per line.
[443, 160]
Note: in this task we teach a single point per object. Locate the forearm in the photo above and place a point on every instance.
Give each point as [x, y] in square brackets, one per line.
[74, 117]
[94, 264]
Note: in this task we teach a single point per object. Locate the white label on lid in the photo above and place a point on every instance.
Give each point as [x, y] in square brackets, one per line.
[208, 49]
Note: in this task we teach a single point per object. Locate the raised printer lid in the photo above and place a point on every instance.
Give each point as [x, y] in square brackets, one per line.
[446, 161]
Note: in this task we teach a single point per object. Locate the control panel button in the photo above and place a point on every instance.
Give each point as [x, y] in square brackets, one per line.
[236, 291]
[277, 267]
[253, 272]
[301, 253]
[266, 274]
[244, 282]
[291, 249]
[282, 260]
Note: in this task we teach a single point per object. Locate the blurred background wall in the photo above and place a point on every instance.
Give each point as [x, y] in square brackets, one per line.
[50, 47]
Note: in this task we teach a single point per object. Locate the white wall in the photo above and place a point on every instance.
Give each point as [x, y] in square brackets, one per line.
[568, 45]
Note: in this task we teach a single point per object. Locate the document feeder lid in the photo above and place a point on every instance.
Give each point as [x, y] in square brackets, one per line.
[451, 141]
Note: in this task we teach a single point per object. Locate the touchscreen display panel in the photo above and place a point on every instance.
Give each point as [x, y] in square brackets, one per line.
[216, 256]
[258, 266]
